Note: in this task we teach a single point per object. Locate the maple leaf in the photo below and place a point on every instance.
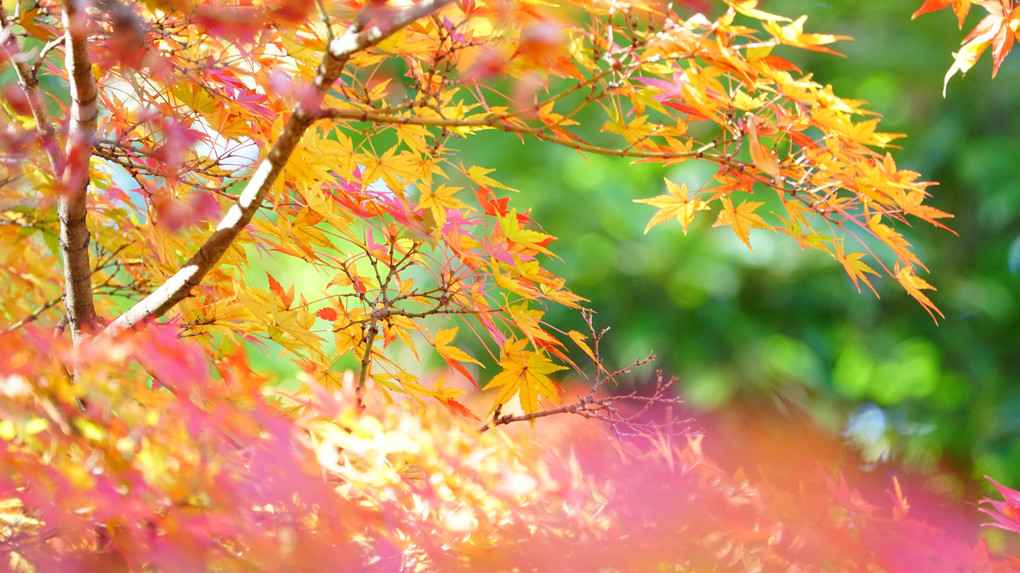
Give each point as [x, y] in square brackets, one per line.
[631, 131]
[742, 218]
[996, 30]
[893, 240]
[793, 35]
[480, 175]
[855, 268]
[912, 206]
[526, 373]
[914, 284]
[763, 157]
[327, 313]
[749, 8]
[439, 200]
[287, 297]
[510, 224]
[676, 204]
[1006, 512]
[960, 8]
[453, 355]
[489, 203]
[579, 339]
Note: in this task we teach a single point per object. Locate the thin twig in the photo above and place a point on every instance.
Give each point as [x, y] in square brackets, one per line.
[607, 408]
[52, 44]
[325, 19]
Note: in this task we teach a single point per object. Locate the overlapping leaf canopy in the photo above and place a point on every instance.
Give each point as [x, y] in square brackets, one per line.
[156, 147]
[362, 178]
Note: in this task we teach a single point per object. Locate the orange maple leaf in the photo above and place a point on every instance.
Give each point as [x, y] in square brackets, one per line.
[895, 241]
[912, 206]
[960, 8]
[914, 285]
[287, 297]
[742, 218]
[855, 268]
[762, 156]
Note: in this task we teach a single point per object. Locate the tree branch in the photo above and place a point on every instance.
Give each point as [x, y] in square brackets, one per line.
[72, 201]
[29, 82]
[502, 123]
[633, 419]
[339, 52]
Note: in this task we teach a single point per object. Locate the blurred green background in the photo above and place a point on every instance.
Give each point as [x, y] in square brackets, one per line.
[783, 328]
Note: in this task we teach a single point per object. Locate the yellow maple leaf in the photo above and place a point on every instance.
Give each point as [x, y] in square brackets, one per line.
[511, 226]
[676, 204]
[855, 268]
[442, 341]
[750, 8]
[529, 321]
[742, 218]
[526, 373]
[793, 35]
[439, 200]
[480, 176]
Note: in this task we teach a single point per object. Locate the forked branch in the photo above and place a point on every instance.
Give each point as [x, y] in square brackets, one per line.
[178, 287]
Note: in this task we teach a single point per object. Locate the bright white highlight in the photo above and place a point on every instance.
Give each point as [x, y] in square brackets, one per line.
[251, 191]
[252, 188]
[346, 44]
[153, 301]
[232, 217]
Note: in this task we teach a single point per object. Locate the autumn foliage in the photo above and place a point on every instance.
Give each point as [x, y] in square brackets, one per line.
[154, 150]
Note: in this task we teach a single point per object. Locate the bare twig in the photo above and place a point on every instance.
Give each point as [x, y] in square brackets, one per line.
[41, 58]
[504, 123]
[34, 314]
[366, 358]
[325, 19]
[626, 414]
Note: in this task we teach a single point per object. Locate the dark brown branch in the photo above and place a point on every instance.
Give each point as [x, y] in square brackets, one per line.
[366, 358]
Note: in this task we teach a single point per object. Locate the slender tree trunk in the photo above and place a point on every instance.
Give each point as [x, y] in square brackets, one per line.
[74, 181]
